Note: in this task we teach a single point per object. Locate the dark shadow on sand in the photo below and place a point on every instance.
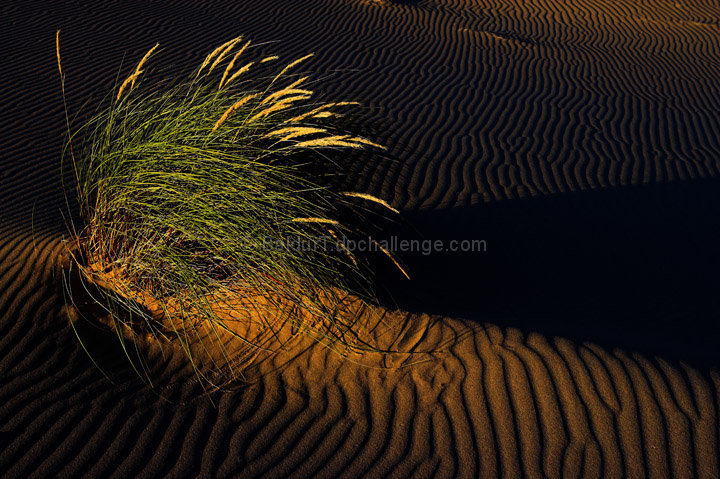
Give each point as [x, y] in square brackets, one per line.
[636, 268]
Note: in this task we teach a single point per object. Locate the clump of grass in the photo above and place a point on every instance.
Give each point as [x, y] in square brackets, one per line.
[205, 205]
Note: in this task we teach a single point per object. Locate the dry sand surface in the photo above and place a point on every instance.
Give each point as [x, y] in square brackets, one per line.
[580, 140]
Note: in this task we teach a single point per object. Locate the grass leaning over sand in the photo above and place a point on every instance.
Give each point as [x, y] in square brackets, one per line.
[194, 198]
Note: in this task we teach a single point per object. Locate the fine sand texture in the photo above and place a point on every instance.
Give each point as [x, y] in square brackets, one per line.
[580, 140]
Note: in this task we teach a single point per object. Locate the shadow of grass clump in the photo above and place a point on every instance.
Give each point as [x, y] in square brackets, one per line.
[206, 212]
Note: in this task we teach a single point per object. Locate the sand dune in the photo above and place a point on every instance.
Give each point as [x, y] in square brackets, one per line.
[462, 400]
[516, 110]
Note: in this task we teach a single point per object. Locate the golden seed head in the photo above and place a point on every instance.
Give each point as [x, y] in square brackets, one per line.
[316, 220]
[294, 132]
[57, 51]
[131, 80]
[223, 53]
[242, 70]
[284, 92]
[212, 54]
[392, 258]
[139, 66]
[372, 198]
[320, 109]
[232, 63]
[290, 65]
[281, 105]
[233, 109]
[342, 245]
